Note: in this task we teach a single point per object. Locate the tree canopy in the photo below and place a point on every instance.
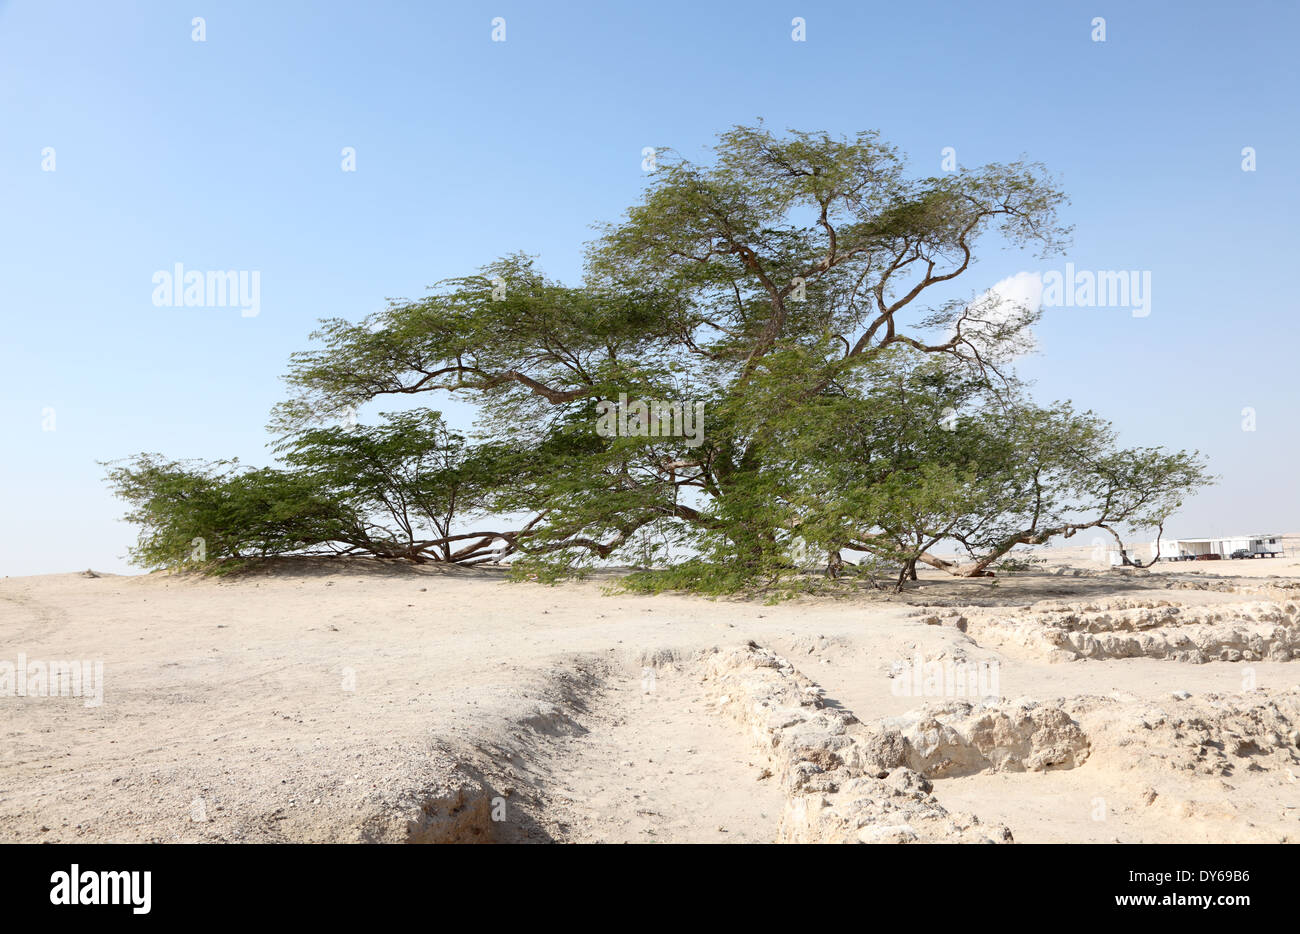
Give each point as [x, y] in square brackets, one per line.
[793, 377]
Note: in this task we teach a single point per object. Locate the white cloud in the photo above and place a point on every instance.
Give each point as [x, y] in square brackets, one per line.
[1007, 300]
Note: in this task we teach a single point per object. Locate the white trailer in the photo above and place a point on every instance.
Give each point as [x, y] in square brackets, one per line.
[1235, 546]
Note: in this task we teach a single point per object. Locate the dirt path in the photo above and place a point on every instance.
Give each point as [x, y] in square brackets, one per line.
[658, 765]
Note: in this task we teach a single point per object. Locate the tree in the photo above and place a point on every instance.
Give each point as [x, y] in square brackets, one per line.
[799, 289]
[929, 455]
[192, 513]
[400, 482]
[392, 490]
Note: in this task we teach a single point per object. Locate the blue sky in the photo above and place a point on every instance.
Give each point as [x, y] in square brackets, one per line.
[225, 154]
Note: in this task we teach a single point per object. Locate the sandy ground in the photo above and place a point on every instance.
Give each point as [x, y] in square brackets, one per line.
[352, 702]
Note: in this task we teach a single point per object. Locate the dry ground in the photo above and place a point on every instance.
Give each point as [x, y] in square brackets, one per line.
[351, 702]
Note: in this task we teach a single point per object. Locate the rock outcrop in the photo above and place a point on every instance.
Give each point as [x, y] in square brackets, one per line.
[847, 781]
[1235, 632]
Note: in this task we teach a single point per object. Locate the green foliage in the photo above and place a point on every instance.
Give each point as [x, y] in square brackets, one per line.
[193, 514]
[697, 575]
[800, 288]
[390, 490]
[401, 482]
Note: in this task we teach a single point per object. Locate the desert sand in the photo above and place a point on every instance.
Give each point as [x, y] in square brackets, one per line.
[352, 701]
